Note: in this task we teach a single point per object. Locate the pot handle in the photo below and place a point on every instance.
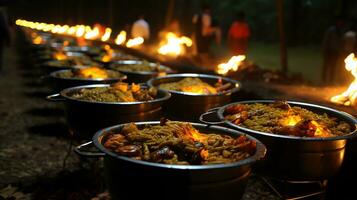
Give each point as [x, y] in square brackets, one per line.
[210, 112]
[55, 97]
[79, 150]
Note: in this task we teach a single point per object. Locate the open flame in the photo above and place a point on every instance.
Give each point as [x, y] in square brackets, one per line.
[232, 65]
[349, 96]
[121, 38]
[174, 45]
[106, 34]
[135, 42]
[60, 56]
[93, 72]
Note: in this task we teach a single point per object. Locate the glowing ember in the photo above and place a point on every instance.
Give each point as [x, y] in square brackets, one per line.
[106, 34]
[93, 72]
[349, 96]
[60, 56]
[135, 42]
[232, 65]
[121, 38]
[174, 45]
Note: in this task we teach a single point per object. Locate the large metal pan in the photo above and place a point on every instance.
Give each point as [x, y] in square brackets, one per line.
[60, 83]
[297, 158]
[133, 179]
[84, 118]
[188, 106]
[141, 76]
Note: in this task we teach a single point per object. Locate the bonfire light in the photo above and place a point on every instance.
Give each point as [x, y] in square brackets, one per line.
[135, 42]
[349, 96]
[174, 45]
[232, 65]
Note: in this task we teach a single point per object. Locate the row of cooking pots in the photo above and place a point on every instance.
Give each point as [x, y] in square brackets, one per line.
[288, 157]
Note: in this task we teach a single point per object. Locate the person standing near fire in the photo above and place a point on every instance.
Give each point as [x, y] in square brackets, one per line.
[238, 35]
[332, 52]
[204, 32]
[141, 28]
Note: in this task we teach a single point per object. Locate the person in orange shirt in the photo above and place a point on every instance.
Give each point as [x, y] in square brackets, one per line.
[238, 35]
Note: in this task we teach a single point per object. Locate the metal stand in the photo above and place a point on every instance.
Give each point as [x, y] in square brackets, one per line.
[295, 190]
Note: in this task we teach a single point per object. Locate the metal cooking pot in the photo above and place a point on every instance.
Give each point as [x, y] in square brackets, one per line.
[139, 77]
[188, 106]
[84, 118]
[60, 83]
[294, 158]
[133, 179]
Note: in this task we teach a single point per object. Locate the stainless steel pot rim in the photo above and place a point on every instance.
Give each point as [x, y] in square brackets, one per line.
[259, 153]
[236, 84]
[132, 62]
[55, 73]
[345, 116]
[64, 93]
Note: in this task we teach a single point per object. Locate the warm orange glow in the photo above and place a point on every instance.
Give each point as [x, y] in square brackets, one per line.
[174, 45]
[349, 96]
[109, 54]
[60, 56]
[204, 154]
[319, 130]
[197, 136]
[135, 42]
[232, 65]
[37, 40]
[121, 38]
[106, 34]
[65, 43]
[93, 72]
[199, 89]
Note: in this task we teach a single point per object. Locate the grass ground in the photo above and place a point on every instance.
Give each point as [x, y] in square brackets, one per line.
[305, 60]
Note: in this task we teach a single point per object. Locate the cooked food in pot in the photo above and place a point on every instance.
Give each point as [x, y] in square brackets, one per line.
[118, 92]
[143, 66]
[72, 62]
[89, 72]
[194, 85]
[179, 143]
[281, 118]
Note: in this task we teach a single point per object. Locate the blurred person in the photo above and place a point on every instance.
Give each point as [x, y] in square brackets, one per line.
[332, 46]
[204, 32]
[238, 35]
[140, 28]
[4, 34]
